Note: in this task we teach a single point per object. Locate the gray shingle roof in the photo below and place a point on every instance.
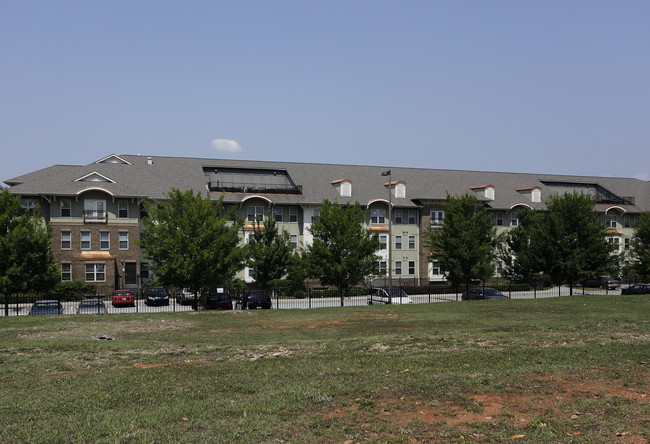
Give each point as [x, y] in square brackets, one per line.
[141, 179]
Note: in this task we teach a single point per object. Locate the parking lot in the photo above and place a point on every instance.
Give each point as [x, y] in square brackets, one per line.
[16, 308]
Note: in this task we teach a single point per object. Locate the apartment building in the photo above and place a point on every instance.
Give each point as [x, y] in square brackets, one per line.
[95, 210]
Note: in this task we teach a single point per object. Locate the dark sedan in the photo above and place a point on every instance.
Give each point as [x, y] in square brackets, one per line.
[156, 296]
[46, 308]
[258, 299]
[215, 301]
[483, 293]
[637, 289]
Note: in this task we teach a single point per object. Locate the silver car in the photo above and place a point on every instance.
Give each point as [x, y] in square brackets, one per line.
[380, 296]
[91, 306]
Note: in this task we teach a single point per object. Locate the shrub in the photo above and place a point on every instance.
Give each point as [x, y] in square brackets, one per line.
[70, 290]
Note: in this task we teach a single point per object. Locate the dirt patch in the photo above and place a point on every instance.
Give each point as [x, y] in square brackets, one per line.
[148, 366]
[518, 408]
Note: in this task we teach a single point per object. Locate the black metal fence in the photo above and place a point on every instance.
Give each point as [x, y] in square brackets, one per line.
[21, 304]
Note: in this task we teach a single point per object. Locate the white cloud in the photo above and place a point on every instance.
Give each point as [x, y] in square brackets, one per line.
[227, 145]
[642, 176]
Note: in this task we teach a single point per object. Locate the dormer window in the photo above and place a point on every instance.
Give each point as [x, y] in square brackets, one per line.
[344, 187]
[400, 190]
[532, 193]
[484, 191]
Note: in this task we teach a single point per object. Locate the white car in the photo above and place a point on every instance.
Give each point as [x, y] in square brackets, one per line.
[186, 296]
[380, 296]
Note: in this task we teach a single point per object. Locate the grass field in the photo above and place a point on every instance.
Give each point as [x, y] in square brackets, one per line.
[570, 369]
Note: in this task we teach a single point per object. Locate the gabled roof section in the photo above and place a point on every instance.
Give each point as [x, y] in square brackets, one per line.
[114, 158]
[94, 177]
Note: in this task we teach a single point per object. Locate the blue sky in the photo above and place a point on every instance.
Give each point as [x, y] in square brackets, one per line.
[560, 87]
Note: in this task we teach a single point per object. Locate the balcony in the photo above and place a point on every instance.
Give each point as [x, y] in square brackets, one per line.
[95, 217]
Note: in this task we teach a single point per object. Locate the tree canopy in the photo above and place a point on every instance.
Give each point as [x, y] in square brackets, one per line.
[269, 252]
[641, 247]
[343, 251]
[190, 243]
[26, 262]
[567, 242]
[465, 243]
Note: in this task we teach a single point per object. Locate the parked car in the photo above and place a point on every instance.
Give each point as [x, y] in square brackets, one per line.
[637, 289]
[91, 306]
[186, 296]
[46, 308]
[123, 298]
[215, 300]
[258, 299]
[380, 296]
[603, 282]
[478, 293]
[156, 296]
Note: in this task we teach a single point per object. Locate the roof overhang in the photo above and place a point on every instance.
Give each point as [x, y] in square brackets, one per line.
[94, 255]
[84, 190]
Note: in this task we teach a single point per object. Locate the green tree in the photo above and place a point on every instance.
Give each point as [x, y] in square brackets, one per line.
[190, 243]
[567, 242]
[343, 251]
[268, 252]
[641, 247]
[26, 262]
[464, 245]
[521, 262]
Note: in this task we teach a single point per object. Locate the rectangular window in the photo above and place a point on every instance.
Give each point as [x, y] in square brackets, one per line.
[398, 216]
[85, 240]
[66, 272]
[513, 219]
[124, 240]
[294, 241]
[104, 240]
[293, 214]
[123, 209]
[437, 217]
[411, 267]
[383, 241]
[398, 267]
[435, 268]
[411, 242]
[316, 215]
[255, 214]
[94, 210]
[28, 205]
[378, 216]
[278, 213]
[398, 242]
[66, 208]
[66, 240]
[498, 218]
[412, 217]
[382, 268]
[611, 221]
[95, 272]
[627, 243]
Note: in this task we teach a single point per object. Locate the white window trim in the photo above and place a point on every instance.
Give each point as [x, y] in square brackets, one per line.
[108, 240]
[95, 272]
[119, 240]
[81, 240]
[69, 240]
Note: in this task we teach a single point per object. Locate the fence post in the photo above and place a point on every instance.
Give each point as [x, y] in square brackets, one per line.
[7, 305]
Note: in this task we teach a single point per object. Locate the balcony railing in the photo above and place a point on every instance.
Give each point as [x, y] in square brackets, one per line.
[95, 216]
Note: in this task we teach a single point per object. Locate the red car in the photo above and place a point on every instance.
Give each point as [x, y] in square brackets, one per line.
[123, 298]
